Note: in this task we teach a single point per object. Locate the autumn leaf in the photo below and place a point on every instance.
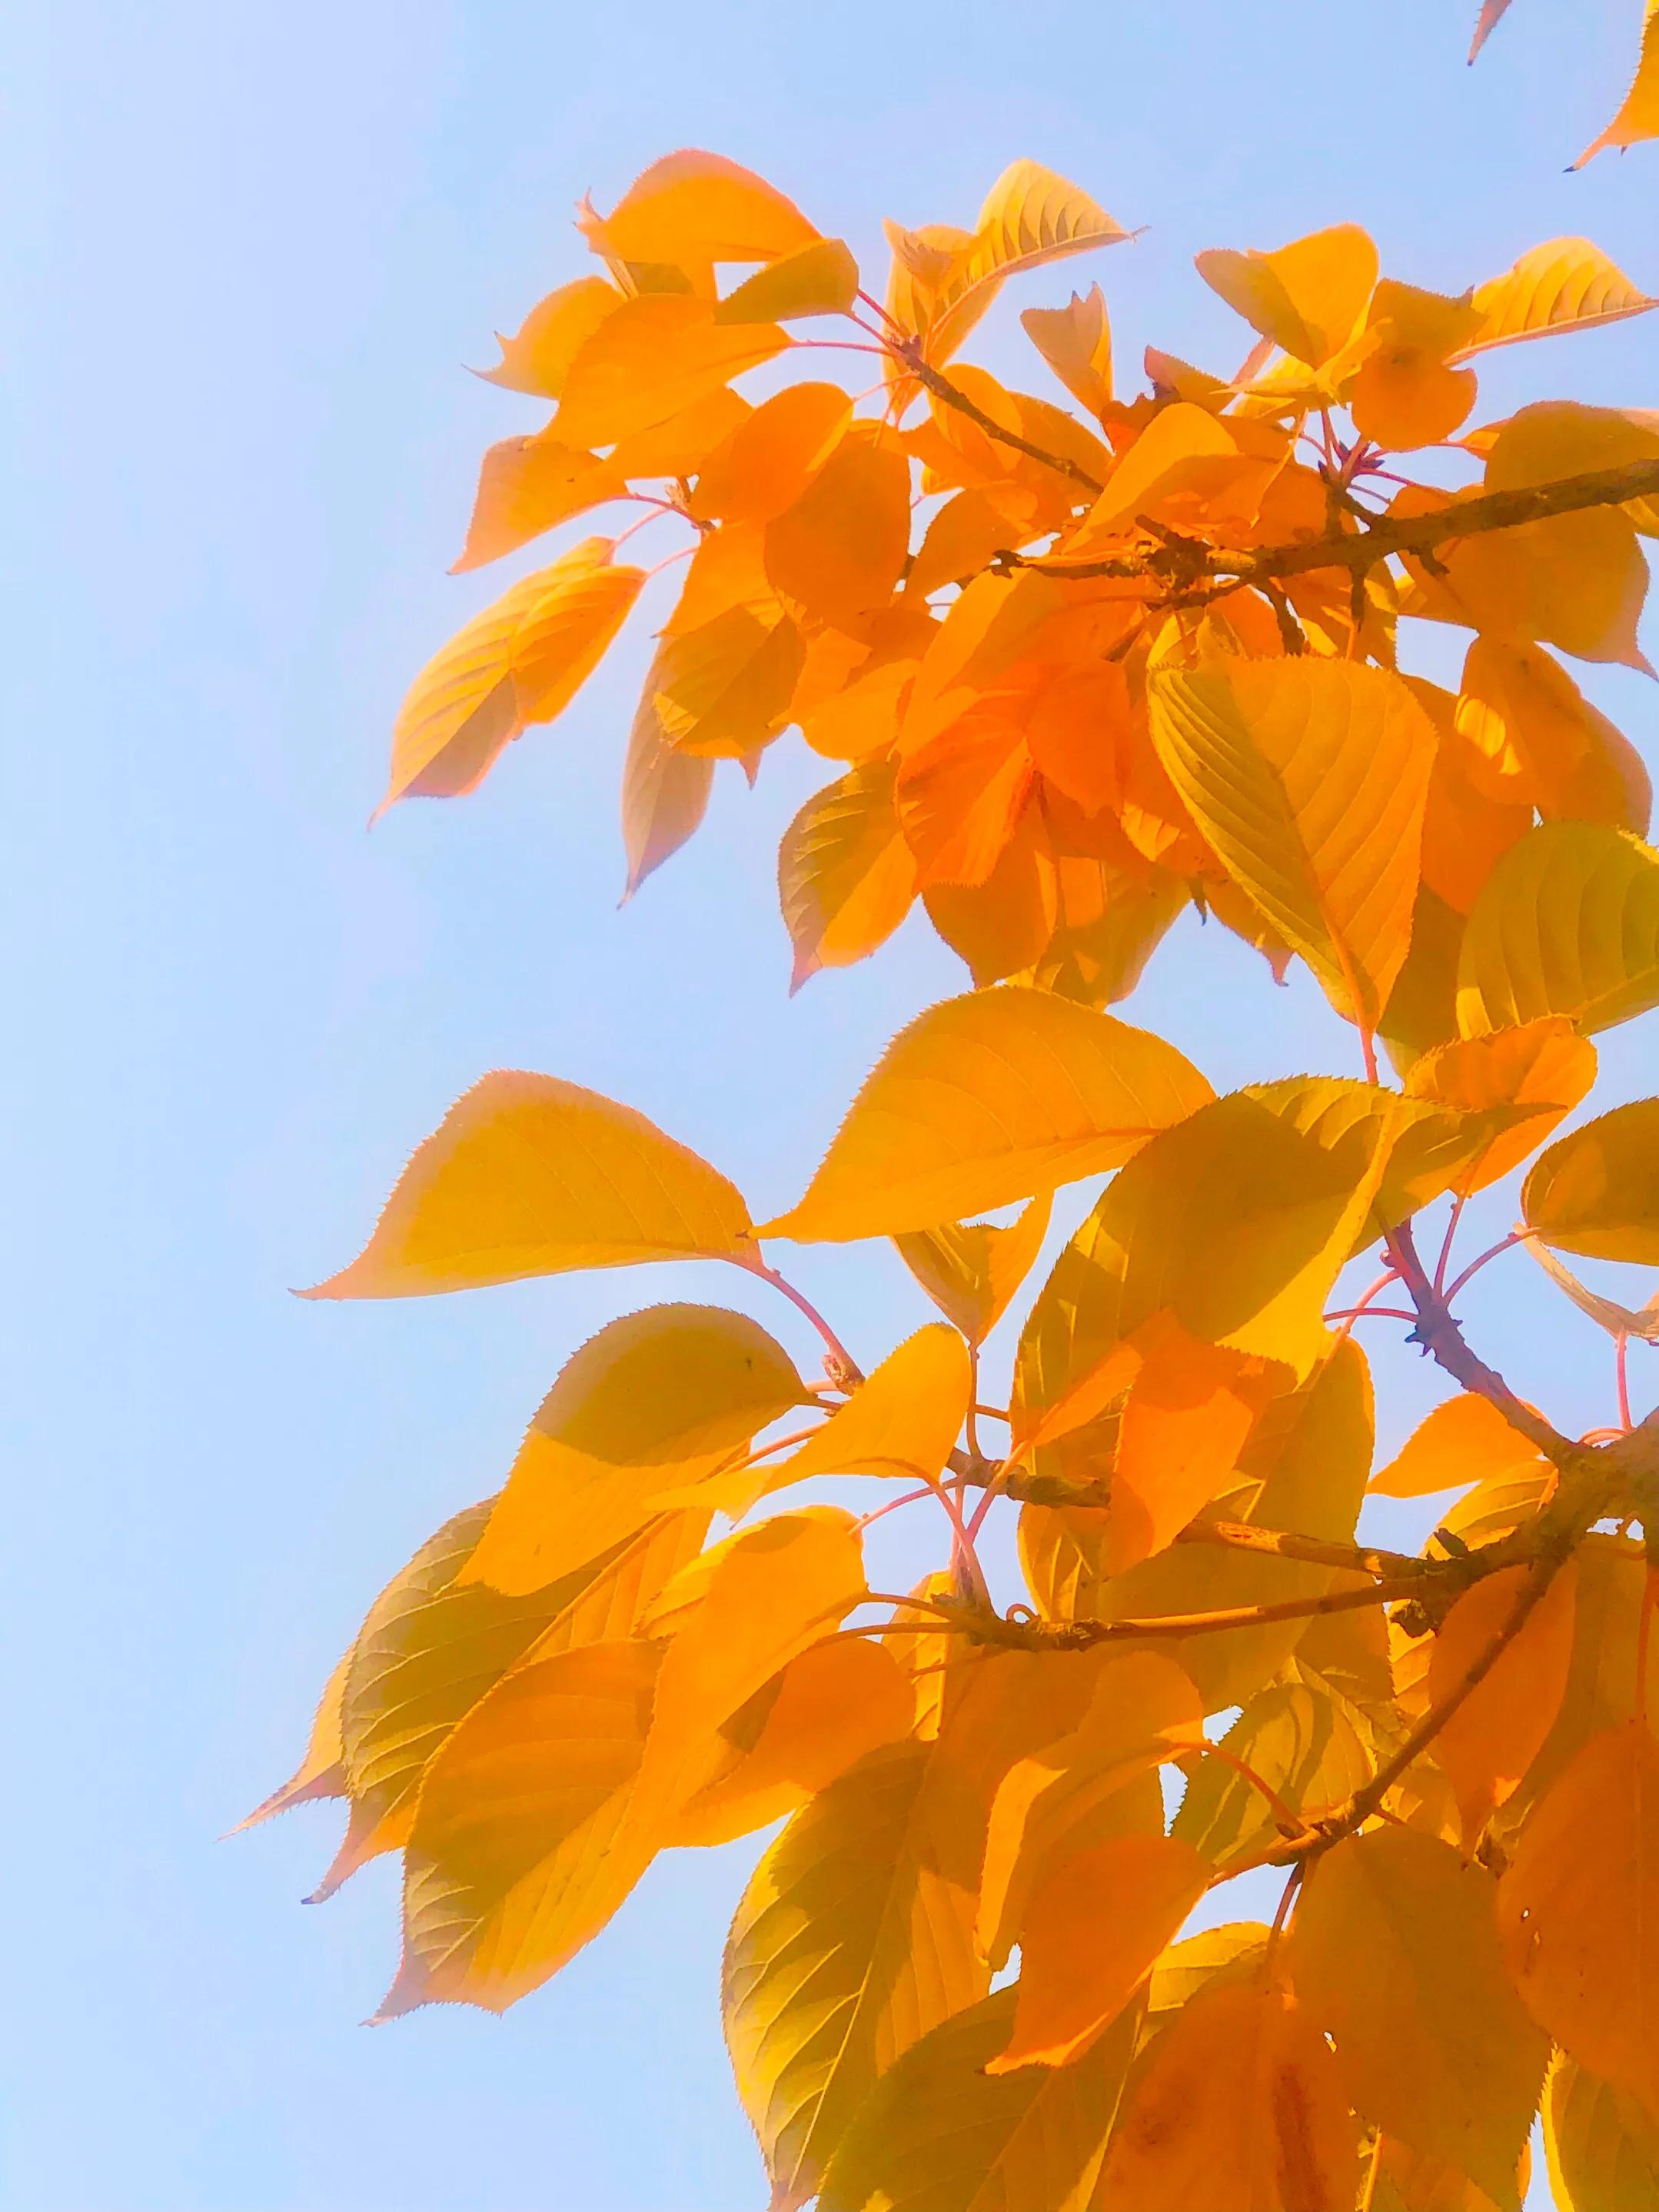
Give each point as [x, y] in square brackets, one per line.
[1488, 1743]
[538, 359]
[1567, 923]
[1308, 297]
[665, 794]
[1566, 284]
[1638, 116]
[1304, 1746]
[654, 1402]
[1543, 1063]
[1601, 2144]
[1578, 1909]
[1241, 2083]
[321, 1772]
[846, 877]
[1597, 1191]
[820, 279]
[649, 361]
[1616, 1319]
[1464, 1441]
[1076, 341]
[694, 206]
[971, 1269]
[1394, 1952]
[530, 1176]
[1310, 778]
[521, 661]
[1037, 2138]
[527, 485]
[1027, 1093]
[772, 455]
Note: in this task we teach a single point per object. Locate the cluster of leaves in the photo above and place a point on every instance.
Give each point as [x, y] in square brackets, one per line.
[1133, 662]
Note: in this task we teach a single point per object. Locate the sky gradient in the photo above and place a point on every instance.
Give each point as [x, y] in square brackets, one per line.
[251, 250]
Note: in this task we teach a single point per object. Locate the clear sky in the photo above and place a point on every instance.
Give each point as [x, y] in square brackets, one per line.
[250, 250]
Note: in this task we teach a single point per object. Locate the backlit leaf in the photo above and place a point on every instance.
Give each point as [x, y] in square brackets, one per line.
[1566, 284]
[1308, 777]
[820, 279]
[773, 454]
[840, 550]
[653, 1403]
[971, 1269]
[1597, 1191]
[1076, 341]
[1579, 1909]
[1300, 1743]
[939, 2134]
[722, 689]
[321, 1772]
[1091, 1927]
[1602, 2146]
[985, 1100]
[525, 486]
[530, 1176]
[1568, 923]
[1638, 116]
[1617, 1320]
[522, 660]
[665, 794]
[694, 206]
[1488, 1743]
[1240, 2083]
[1308, 297]
[1466, 1440]
[650, 360]
[846, 877]
[1543, 1063]
[1394, 1952]
[538, 359]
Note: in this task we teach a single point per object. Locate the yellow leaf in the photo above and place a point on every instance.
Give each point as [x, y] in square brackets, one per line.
[1076, 341]
[545, 1805]
[1185, 468]
[840, 550]
[820, 279]
[1488, 1743]
[1602, 2147]
[822, 1714]
[321, 1772]
[1050, 1804]
[665, 794]
[1394, 1953]
[1617, 1320]
[538, 359]
[903, 1420]
[1566, 284]
[679, 444]
[1638, 117]
[1091, 1929]
[971, 1269]
[427, 1652]
[1538, 740]
[521, 660]
[854, 1936]
[1304, 1468]
[651, 360]
[530, 1176]
[653, 1403]
[1036, 2138]
[1237, 1220]
[773, 455]
[1543, 1063]
[1597, 1191]
[846, 877]
[1579, 1909]
[985, 1100]
[1301, 1743]
[1308, 297]
[1466, 1440]
[1030, 216]
[1240, 2083]
[723, 689]
[1002, 926]
[694, 206]
[1308, 778]
[1567, 923]
[525, 486]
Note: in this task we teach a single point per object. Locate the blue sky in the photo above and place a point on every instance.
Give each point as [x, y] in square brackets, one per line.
[250, 250]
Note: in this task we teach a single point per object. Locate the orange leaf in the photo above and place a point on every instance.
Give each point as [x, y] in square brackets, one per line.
[526, 485]
[649, 361]
[538, 359]
[694, 206]
[1543, 1063]
[1405, 394]
[1190, 1407]
[521, 660]
[1308, 297]
[1489, 1742]
[1638, 117]
[767, 462]
[1076, 341]
[1566, 284]
[665, 794]
[1466, 1440]
[1240, 2084]
[960, 795]
[1579, 1910]
[821, 279]
[1093, 1927]
[839, 550]
[846, 877]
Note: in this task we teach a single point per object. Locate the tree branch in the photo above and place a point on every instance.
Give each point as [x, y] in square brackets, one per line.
[953, 396]
[1184, 565]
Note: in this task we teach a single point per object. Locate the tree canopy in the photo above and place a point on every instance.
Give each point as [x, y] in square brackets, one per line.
[1075, 665]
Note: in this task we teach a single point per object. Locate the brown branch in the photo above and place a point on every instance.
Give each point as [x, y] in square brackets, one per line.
[909, 353]
[1286, 1544]
[1183, 565]
[1033, 1635]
